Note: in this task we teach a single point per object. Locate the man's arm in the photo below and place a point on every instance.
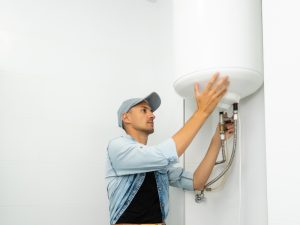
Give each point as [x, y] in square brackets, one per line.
[206, 166]
[206, 101]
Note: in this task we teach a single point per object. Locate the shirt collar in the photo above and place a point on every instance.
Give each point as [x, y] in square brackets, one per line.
[128, 136]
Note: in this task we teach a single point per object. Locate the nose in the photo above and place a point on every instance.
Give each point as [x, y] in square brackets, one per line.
[152, 115]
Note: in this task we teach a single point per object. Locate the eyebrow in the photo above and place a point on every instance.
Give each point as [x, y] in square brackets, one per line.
[146, 106]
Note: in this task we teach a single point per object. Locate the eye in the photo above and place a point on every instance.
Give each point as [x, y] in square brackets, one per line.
[144, 110]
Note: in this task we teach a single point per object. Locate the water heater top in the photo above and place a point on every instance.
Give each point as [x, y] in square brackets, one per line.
[243, 82]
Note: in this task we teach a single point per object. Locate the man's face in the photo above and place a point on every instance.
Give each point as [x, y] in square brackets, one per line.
[141, 118]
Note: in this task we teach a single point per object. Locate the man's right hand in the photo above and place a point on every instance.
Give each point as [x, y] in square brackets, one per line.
[213, 92]
[207, 101]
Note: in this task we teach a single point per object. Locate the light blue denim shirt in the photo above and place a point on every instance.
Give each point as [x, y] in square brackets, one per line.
[127, 164]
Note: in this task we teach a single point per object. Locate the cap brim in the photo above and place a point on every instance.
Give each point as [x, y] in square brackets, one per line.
[154, 100]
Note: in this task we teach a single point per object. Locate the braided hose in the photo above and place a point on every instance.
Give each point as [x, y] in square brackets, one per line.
[199, 195]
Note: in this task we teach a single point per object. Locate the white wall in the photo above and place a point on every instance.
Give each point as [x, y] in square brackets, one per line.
[65, 66]
[281, 61]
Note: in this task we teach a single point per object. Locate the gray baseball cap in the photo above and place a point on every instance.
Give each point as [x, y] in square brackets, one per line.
[153, 99]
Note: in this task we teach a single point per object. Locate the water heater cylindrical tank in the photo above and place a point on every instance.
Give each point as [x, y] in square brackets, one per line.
[218, 36]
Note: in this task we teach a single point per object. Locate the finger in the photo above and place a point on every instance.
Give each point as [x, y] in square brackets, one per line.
[196, 89]
[220, 94]
[212, 81]
[229, 134]
[219, 90]
[224, 81]
[229, 125]
[230, 130]
[221, 86]
[218, 98]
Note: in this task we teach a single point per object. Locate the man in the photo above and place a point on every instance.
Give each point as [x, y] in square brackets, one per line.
[138, 176]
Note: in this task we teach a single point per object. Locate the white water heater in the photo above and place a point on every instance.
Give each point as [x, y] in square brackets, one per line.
[224, 36]
[218, 36]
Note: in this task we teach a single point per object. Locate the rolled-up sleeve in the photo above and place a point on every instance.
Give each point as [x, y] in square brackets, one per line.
[180, 178]
[128, 156]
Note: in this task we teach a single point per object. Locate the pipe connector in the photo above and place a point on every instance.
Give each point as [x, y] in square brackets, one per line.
[235, 111]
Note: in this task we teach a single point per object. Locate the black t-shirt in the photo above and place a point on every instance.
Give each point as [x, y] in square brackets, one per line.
[145, 206]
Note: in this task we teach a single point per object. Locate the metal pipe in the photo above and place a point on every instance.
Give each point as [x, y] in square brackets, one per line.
[222, 137]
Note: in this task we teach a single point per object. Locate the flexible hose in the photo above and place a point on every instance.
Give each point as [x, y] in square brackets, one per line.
[231, 158]
[199, 195]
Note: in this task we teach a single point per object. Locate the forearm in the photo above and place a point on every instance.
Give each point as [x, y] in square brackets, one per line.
[186, 134]
[206, 166]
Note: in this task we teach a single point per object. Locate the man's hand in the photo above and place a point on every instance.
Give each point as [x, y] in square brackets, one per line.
[229, 130]
[206, 103]
[208, 99]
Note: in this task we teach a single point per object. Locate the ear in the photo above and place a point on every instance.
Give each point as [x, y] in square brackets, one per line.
[125, 118]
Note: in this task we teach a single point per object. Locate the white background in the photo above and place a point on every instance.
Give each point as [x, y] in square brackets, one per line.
[281, 64]
[65, 66]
